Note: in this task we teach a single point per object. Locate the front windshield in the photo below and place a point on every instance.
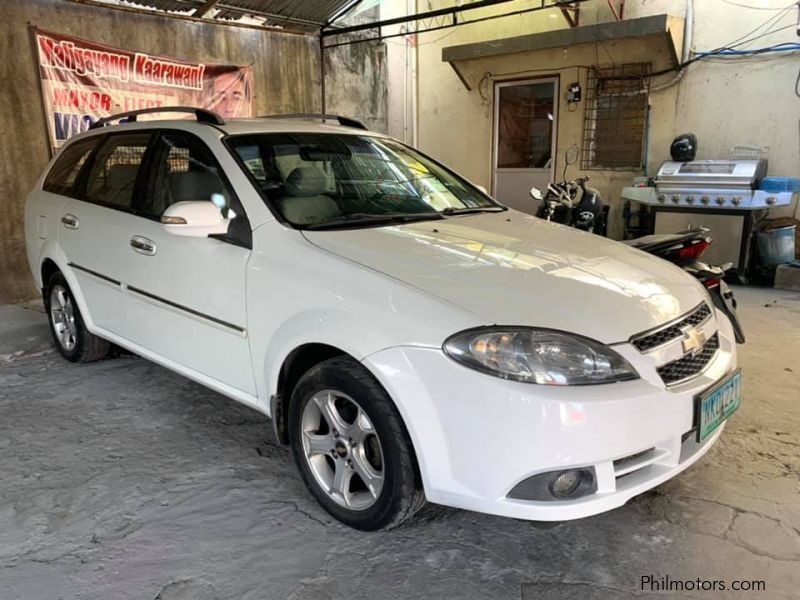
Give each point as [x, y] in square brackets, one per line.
[321, 180]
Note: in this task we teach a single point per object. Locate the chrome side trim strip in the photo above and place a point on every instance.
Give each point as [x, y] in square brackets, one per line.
[240, 330]
[95, 274]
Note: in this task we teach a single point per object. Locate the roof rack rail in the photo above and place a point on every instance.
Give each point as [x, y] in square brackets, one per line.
[343, 121]
[202, 115]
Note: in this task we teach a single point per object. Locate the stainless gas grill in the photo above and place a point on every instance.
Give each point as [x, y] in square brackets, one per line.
[721, 195]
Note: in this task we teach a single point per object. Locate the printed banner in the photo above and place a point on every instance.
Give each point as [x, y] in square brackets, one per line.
[83, 81]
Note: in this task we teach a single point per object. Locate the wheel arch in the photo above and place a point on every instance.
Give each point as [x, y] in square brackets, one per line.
[47, 269]
[296, 363]
[52, 260]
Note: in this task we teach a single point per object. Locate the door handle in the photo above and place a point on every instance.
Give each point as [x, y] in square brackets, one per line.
[70, 221]
[142, 245]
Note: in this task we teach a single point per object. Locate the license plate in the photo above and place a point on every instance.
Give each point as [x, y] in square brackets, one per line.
[717, 404]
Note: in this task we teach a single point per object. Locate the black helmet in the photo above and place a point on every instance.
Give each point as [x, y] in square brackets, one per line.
[684, 147]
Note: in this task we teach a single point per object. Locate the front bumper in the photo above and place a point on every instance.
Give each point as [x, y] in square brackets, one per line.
[477, 436]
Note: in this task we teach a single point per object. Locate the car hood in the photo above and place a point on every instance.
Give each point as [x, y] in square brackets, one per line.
[514, 269]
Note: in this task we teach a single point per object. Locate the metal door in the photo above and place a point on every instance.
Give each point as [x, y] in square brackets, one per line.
[525, 125]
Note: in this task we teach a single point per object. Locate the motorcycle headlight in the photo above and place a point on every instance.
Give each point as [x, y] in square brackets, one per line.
[538, 356]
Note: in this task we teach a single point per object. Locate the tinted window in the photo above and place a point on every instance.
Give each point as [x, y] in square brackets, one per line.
[112, 178]
[62, 177]
[183, 170]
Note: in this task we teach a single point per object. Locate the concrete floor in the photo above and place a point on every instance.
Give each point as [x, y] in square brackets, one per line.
[122, 480]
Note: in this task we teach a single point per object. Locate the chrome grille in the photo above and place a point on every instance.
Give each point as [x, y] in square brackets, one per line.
[690, 365]
[649, 341]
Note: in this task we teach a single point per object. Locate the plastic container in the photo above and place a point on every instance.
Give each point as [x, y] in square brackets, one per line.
[780, 184]
[776, 246]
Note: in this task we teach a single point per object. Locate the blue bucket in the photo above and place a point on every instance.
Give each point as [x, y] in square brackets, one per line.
[776, 246]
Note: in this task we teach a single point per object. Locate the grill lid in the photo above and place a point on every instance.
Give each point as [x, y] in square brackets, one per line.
[711, 174]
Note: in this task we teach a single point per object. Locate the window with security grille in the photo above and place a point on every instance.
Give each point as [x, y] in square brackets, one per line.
[616, 117]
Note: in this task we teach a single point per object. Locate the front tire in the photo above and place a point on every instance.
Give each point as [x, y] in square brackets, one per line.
[352, 448]
[73, 340]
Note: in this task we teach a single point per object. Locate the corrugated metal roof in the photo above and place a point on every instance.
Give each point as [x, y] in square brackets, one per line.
[300, 13]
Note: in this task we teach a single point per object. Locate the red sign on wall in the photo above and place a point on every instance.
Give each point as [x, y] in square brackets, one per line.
[83, 81]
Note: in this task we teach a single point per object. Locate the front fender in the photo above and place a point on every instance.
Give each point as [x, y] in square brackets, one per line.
[316, 326]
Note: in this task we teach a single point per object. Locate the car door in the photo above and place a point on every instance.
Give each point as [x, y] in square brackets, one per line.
[95, 224]
[187, 294]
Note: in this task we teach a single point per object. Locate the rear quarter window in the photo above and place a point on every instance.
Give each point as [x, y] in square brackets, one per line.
[64, 173]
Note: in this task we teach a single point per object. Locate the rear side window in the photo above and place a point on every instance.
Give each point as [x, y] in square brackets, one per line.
[64, 174]
[114, 171]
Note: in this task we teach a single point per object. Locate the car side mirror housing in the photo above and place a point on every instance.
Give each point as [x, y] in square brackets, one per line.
[536, 193]
[200, 218]
[482, 189]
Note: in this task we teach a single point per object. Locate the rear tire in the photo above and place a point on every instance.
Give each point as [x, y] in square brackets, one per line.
[72, 339]
[352, 448]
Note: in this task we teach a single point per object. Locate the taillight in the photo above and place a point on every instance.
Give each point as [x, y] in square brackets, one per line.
[711, 283]
[694, 251]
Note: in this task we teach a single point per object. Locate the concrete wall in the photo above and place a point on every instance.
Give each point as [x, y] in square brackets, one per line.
[356, 75]
[286, 73]
[355, 83]
[401, 65]
[724, 102]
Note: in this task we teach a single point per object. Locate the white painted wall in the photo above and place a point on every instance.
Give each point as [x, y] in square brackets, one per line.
[724, 101]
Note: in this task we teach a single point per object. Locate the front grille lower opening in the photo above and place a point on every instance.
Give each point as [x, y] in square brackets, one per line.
[690, 365]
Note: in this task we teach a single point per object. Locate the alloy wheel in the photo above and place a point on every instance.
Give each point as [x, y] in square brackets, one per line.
[62, 314]
[342, 449]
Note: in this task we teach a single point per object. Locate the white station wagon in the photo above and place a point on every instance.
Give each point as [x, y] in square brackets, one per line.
[410, 337]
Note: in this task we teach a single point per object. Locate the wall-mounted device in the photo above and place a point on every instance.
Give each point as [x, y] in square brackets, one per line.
[574, 92]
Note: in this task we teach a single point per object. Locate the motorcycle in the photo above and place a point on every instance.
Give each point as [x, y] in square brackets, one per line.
[562, 204]
[684, 249]
[572, 203]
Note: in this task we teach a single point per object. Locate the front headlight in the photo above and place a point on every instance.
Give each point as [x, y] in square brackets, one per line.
[538, 356]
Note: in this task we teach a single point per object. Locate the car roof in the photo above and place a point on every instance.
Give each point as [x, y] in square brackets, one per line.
[237, 126]
[268, 125]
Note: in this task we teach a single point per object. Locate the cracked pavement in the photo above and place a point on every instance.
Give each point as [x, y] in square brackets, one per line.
[122, 480]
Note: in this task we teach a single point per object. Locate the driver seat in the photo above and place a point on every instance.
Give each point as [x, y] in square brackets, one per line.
[304, 202]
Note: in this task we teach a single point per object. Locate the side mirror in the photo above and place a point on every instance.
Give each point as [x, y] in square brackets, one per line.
[536, 193]
[194, 219]
[482, 189]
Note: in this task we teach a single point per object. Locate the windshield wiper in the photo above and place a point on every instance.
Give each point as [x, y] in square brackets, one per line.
[450, 211]
[357, 219]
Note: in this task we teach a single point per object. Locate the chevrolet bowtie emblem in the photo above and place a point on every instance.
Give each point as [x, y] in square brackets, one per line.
[693, 340]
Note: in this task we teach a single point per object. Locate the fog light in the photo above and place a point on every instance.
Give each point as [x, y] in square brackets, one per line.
[556, 485]
[565, 484]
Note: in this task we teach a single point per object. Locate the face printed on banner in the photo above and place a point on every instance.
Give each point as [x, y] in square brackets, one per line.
[230, 94]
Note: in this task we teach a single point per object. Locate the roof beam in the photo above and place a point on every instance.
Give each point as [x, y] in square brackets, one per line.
[341, 13]
[164, 15]
[419, 16]
[203, 10]
[572, 14]
[450, 16]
